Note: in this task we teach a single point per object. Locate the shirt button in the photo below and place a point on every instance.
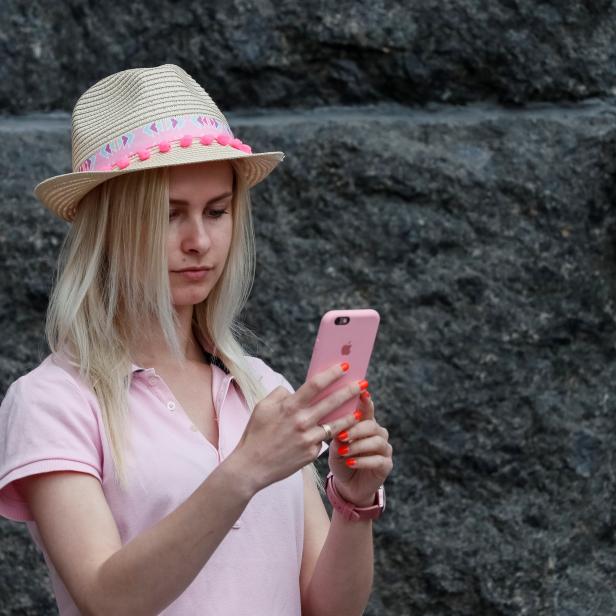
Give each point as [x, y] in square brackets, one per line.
[152, 380]
[171, 405]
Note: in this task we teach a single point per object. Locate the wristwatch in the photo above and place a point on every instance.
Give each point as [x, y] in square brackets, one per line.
[349, 511]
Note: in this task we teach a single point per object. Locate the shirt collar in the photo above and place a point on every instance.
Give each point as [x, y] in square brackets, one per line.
[210, 358]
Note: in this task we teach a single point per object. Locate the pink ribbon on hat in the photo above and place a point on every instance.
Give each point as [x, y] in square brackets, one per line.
[156, 136]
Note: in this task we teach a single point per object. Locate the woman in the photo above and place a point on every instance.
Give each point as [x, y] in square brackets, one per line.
[159, 468]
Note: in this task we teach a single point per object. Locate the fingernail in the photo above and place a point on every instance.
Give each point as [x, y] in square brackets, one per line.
[343, 436]
[351, 462]
[357, 414]
[344, 365]
[343, 450]
[364, 394]
[363, 385]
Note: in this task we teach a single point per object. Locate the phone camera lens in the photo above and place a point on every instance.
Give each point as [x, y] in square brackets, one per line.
[341, 320]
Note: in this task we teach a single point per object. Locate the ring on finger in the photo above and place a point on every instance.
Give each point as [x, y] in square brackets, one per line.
[328, 431]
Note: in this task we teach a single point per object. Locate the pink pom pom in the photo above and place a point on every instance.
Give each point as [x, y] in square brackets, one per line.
[223, 139]
[143, 154]
[123, 163]
[235, 143]
[164, 146]
[186, 140]
[206, 139]
[245, 148]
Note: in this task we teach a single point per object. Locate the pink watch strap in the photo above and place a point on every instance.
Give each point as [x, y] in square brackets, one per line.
[349, 511]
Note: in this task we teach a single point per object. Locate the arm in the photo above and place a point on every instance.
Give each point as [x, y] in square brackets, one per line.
[151, 571]
[337, 563]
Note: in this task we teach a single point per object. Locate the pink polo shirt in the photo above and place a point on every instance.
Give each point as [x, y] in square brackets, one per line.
[50, 420]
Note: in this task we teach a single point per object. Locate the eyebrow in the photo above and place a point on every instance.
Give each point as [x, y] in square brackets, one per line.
[214, 200]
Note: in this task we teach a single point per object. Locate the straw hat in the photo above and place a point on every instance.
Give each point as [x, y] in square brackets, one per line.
[144, 118]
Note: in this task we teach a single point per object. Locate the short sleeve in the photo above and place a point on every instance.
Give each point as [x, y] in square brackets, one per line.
[272, 379]
[46, 424]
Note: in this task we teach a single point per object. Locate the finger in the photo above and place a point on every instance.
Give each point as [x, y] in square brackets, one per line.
[337, 399]
[342, 424]
[316, 384]
[375, 463]
[364, 429]
[373, 445]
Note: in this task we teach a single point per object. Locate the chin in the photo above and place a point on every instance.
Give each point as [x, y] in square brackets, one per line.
[189, 298]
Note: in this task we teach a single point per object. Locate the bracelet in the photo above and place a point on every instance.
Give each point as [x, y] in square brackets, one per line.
[352, 512]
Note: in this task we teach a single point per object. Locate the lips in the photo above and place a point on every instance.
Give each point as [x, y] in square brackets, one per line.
[194, 269]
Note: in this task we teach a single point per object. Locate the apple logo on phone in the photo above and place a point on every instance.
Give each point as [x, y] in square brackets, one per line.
[346, 349]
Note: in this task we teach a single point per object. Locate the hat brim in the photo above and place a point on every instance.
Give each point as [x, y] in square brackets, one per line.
[61, 194]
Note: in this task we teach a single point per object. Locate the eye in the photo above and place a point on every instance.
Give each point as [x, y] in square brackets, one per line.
[217, 213]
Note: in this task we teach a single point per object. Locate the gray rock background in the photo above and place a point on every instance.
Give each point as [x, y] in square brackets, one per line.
[482, 232]
[291, 54]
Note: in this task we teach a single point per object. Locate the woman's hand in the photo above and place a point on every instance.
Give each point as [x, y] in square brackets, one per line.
[367, 444]
[283, 433]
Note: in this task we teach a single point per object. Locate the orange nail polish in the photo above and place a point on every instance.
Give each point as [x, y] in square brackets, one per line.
[364, 394]
[358, 415]
[343, 450]
[363, 385]
[343, 436]
[344, 365]
[351, 462]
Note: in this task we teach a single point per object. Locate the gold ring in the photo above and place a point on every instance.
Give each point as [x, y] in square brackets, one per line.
[328, 431]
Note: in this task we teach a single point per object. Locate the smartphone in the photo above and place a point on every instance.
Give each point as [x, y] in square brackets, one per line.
[344, 335]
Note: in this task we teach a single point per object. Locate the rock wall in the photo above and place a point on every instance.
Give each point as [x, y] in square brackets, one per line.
[256, 53]
[484, 235]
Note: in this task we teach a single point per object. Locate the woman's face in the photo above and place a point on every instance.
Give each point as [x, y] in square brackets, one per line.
[200, 227]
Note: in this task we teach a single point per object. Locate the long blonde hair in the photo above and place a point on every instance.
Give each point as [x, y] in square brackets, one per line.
[112, 281]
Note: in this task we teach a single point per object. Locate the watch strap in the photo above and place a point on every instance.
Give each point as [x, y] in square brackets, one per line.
[350, 511]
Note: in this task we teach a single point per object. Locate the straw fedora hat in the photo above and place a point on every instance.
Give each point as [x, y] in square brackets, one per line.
[143, 118]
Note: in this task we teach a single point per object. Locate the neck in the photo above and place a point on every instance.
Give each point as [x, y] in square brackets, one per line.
[154, 351]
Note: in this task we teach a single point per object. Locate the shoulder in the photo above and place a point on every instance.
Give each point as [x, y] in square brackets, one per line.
[53, 380]
[266, 374]
[47, 424]
[52, 390]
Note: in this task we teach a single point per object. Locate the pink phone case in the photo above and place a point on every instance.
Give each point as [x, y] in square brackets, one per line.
[337, 342]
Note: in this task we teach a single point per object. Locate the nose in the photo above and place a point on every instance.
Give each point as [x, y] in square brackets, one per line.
[196, 237]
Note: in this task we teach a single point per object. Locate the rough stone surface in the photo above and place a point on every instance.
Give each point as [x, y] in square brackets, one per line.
[485, 238]
[253, 53]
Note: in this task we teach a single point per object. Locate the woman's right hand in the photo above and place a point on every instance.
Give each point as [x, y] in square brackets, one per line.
[283, 434]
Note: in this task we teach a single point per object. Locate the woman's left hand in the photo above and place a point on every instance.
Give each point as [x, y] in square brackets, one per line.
[369, 447]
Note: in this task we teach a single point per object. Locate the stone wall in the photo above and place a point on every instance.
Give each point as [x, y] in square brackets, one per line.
[308, 54]
[483, 234]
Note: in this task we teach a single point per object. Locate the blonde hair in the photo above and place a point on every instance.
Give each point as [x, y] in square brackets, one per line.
[112, 282]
